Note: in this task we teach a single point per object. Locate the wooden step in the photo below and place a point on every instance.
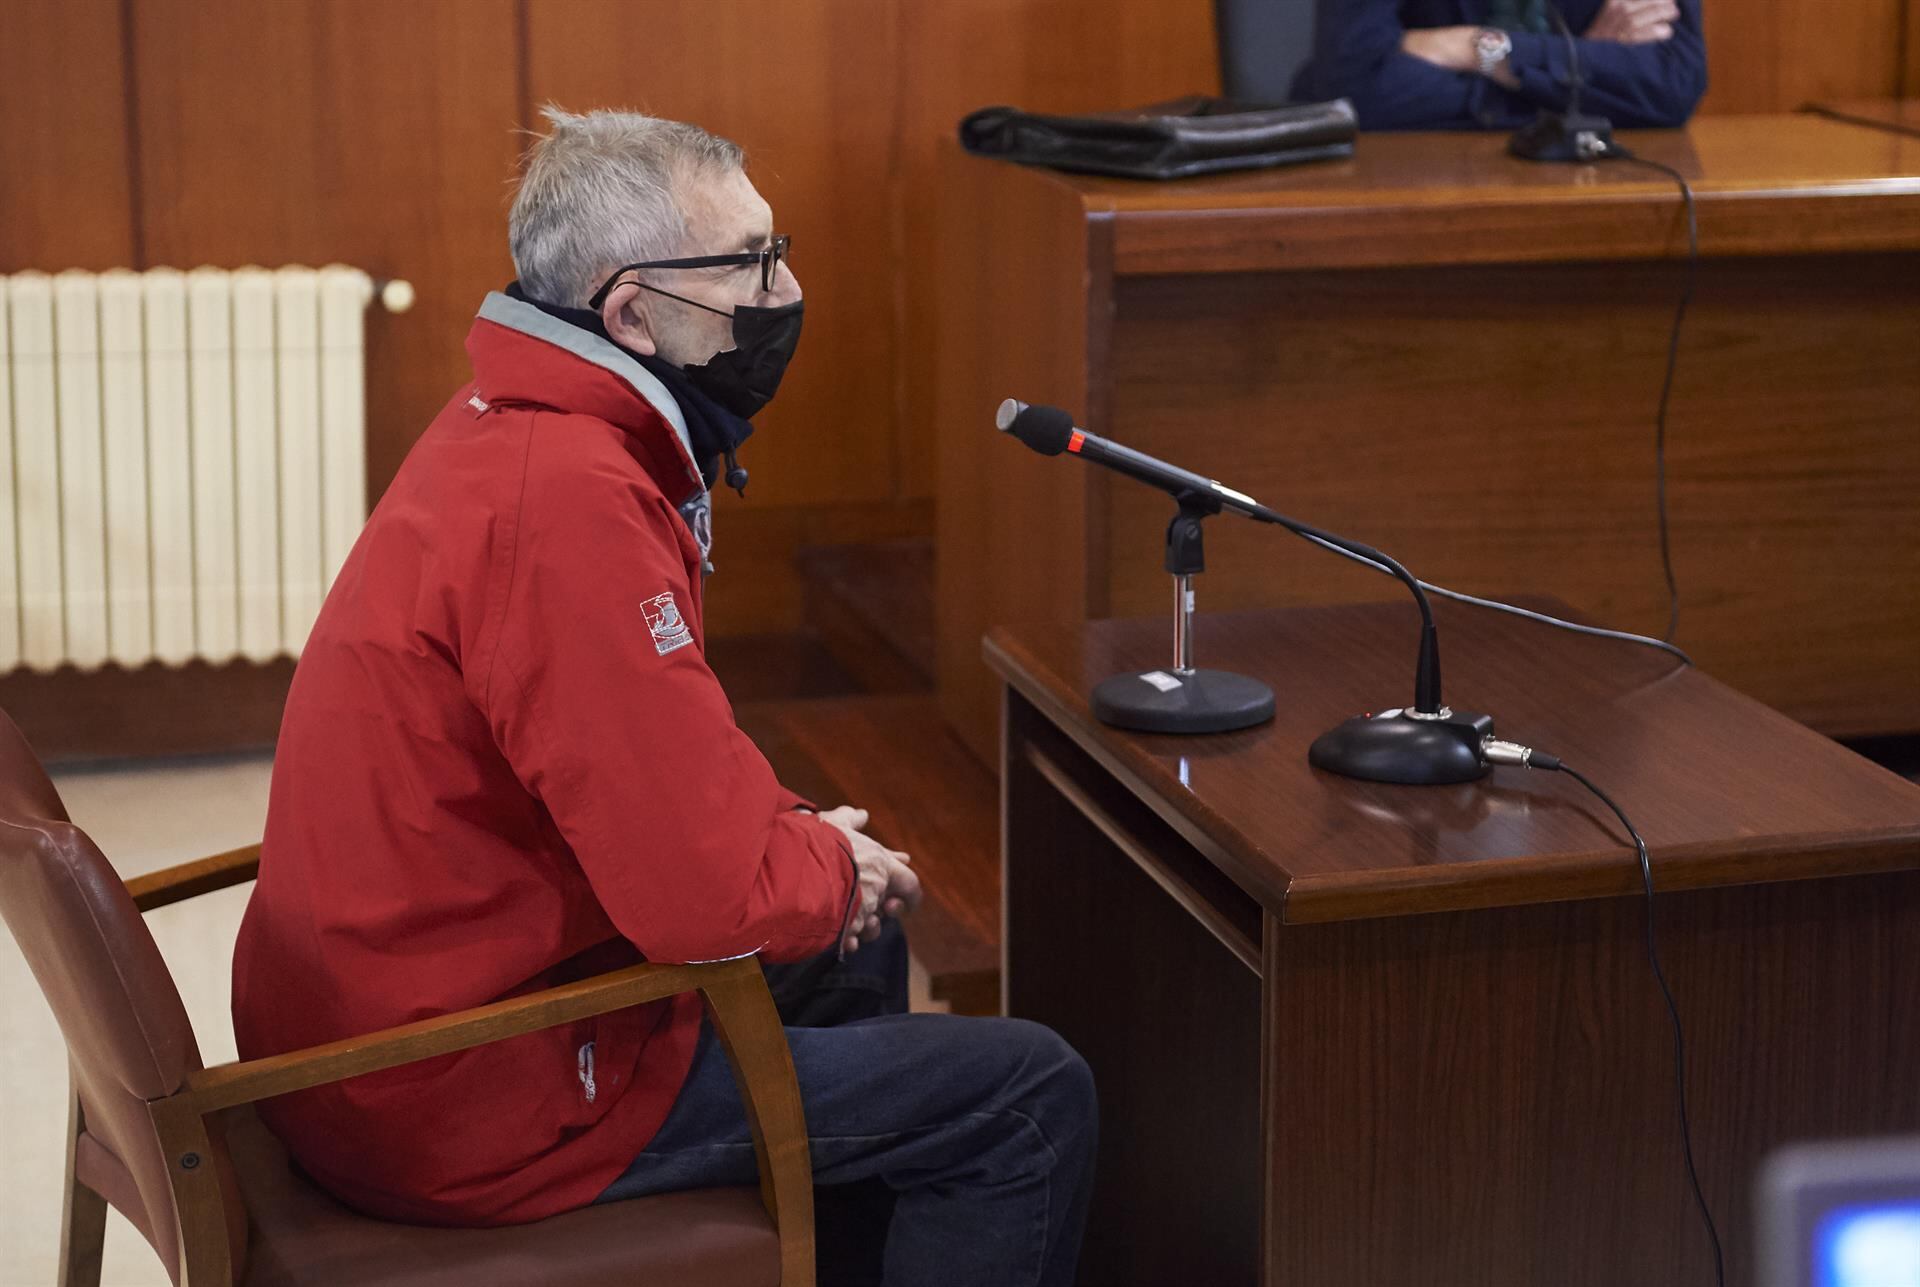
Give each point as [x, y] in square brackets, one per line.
[893, 756]
[764, 668]
[872, 606]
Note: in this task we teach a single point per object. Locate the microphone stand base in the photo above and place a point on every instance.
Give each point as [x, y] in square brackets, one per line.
[1562, 136]
[1197, 701]
[1396, 746]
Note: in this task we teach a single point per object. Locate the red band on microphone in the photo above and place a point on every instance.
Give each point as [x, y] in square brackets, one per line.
[1073, 443]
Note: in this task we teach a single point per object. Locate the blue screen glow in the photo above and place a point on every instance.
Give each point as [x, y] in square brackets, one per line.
[1868, 1246]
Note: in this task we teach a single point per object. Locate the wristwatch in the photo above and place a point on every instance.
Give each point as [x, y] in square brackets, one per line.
[1491, 46]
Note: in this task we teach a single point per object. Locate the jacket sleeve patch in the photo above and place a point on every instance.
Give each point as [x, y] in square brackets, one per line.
[670, 630]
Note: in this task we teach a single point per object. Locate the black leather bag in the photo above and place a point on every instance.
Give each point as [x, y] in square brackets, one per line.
[1167, 140]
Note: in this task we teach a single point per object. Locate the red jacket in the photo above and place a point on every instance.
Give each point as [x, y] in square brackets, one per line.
[505, 764]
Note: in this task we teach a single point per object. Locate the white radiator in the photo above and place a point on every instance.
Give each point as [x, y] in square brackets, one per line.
[182, 460]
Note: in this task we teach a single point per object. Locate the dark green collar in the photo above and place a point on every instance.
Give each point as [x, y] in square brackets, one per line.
[1518, 15]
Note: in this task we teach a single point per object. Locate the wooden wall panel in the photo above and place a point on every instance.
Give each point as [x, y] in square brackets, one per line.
[1493, 426]
[64, 195]
[1910, 66]
[808, 88]
[381, 134]
[1778, 55]
[840, 104]
[1042, 55]
[375, 134]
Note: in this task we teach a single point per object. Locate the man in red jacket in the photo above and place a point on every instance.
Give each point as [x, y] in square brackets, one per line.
[505, 764]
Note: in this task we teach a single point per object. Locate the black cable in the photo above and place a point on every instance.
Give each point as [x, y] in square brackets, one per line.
[1370, 557]
[1528, 614]
[1352, 549]
[1574, 78]
[1363, 554]
[1869, 122]
[1673, 1011]
[1615, 152]
[1426, 682]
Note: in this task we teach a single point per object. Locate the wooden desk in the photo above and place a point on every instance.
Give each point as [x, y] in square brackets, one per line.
[1900, 115]
[1457, 356]
[1372, 1035]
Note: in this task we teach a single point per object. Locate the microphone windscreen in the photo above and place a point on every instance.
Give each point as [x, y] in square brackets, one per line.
[1045, 429]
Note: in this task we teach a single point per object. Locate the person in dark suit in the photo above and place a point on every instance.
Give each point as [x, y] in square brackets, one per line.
[1493, 64]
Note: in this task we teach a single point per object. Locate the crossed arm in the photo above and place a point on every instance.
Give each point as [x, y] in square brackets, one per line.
[1642, 64]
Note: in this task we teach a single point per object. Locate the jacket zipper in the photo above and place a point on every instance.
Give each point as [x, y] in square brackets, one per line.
[586, 1071]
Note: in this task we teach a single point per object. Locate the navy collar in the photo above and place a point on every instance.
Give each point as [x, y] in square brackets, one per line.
[712, 430]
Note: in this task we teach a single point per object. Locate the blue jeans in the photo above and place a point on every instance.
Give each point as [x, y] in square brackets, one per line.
[946, 1149]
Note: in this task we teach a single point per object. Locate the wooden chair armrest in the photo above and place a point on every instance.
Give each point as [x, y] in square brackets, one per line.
[750, 1032]
[192, 879]
[735, 992]
[244, 1081]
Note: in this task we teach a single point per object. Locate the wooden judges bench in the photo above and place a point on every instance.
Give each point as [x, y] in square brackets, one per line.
[1899, 115]
[1456, 356]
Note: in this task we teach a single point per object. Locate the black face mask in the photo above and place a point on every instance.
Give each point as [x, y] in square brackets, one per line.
[744, 378]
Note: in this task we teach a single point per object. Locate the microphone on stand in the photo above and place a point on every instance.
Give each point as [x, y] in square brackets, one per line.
[1182, 698]
[1426, 743]
[1050, 431]
[1569, 135]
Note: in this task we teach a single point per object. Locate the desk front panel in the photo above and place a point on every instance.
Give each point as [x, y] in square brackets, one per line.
[1165, 1014]
[1486, 1098]
[1478, 1098]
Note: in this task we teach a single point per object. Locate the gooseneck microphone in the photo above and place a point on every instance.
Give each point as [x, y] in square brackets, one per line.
[1051, 431]
[1565, 136]
[1427, 743]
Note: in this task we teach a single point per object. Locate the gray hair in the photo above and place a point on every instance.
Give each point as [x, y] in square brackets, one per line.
[603, 189]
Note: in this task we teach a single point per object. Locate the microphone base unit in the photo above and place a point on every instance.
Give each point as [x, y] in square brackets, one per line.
[1405, 747]
[1175, 701]
[1563, 136]
[1184, 698]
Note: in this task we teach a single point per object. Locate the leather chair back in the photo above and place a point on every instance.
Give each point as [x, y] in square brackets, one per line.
[127, 1034]
[1262, 45]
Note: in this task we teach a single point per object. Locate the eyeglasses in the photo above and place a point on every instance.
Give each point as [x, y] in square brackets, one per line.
[769, 260]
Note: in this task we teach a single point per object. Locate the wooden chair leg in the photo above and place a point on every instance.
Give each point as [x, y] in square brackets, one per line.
[749, 1028]
[83, 1222]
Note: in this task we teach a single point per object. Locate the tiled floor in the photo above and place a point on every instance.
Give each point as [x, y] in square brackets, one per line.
[143, 817]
